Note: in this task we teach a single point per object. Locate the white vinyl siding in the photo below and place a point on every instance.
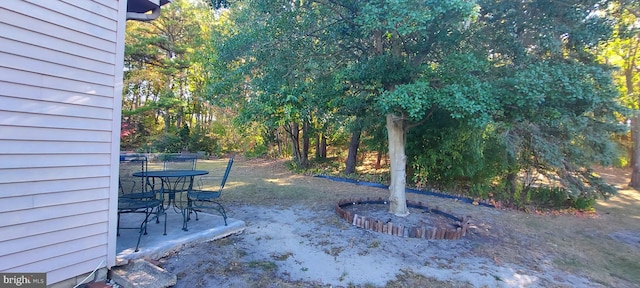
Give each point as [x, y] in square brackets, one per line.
[59, 103]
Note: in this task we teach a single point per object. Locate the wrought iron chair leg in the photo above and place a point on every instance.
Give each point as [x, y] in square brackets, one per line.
[143, 229]
[118, 230]
[185, 218]
[222, 212]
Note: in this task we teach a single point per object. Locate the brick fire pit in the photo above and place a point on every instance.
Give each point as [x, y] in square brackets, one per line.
[453, 231]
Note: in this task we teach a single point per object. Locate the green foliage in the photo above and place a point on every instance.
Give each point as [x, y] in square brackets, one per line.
[167, 143]
[446, 153]
[546, 197]
[200, 141]
[164, 84]
[549, 197]
[488, 88]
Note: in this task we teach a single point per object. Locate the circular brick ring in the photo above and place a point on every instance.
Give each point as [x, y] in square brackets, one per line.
[457, 231]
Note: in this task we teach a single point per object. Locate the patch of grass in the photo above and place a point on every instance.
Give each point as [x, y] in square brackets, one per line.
[374, 244]
[224, 241]
[267, 266]
[240, 253]
[281, 257]
[569, 263]
[411, 279]
[334, 251]
[234, 267]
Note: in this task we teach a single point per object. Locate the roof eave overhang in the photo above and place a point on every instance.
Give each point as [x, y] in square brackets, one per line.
[144, 10]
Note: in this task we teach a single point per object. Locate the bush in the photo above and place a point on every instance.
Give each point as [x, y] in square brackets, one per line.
[168, 143]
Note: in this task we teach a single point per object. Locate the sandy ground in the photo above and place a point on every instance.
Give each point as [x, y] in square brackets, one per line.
[297, 244]
[305, 248]
[310, 246]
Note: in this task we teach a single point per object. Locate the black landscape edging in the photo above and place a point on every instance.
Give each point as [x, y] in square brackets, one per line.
[411, 190]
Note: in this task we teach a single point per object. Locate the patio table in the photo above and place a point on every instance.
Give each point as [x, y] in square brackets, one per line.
[172, 183]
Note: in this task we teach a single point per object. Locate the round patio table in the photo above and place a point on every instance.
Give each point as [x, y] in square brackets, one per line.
[172, 182]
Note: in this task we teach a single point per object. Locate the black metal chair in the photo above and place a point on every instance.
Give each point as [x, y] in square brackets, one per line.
[200, 199]
[135, 194]
[182, 161]
[133, 187]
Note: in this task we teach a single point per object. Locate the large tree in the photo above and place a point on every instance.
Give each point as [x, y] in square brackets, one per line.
[523, 70]
[165, 77]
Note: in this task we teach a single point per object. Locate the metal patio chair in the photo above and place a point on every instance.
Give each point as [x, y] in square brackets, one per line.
[181, 161]
[134, 187]
[136, 196]
[202, 198]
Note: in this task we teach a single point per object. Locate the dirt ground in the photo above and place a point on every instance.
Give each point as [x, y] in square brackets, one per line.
[294, 239]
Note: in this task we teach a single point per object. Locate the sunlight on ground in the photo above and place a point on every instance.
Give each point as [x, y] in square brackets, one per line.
[519, 280]
[622, 199]
[278, 182]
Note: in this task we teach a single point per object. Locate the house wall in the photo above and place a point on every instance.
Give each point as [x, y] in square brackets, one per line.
[60, 87]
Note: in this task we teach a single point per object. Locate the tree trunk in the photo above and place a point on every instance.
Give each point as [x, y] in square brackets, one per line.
[318, 145]
[305, 144]
[635, 123]
[379, 160]
[635, 152]
[353, 152]
[278, 143]
[323, 146]
[294, 134]
[397, 197]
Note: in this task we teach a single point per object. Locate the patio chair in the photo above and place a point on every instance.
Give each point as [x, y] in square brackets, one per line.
[140, 206]
[134, 187]
[136, 196]
[180, 161]
[201, 198]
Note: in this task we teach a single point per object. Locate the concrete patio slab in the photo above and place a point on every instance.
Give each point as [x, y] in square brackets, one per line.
[155, 245]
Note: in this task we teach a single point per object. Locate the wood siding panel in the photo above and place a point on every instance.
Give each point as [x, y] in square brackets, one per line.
[56, 70]
[36, 53]
[54, 16]
[43, 200]
[65, 260]
[52, 108]
[16, 161]
[88, 15]
[52, 95]
[45, 225]
[52, 82]
[52, 173]
[106, 9]
[45, 187]
[38, 39]
[9, 118]
[35, 241]
[48, 134]
[50, 147]
[60, 81]
[54, 250]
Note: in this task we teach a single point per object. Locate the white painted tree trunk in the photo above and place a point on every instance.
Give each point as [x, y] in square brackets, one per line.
[397, 197]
